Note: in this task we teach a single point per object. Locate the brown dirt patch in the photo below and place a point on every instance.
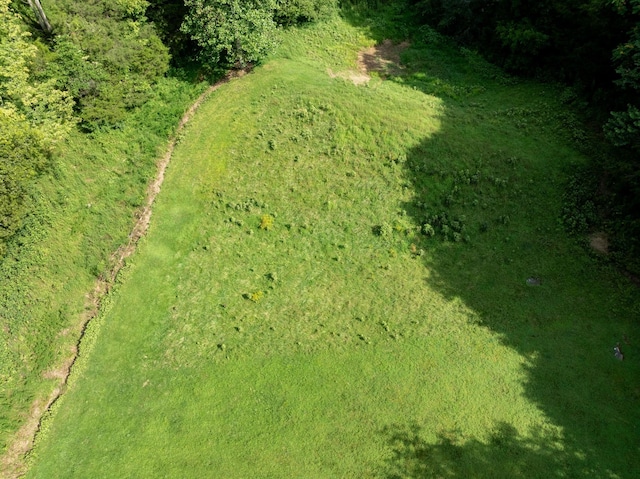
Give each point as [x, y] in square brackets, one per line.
[384, 59]
[12, 463]
[599, 242]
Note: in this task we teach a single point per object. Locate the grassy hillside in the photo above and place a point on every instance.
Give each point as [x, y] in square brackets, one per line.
[334, 284]
[80, 214]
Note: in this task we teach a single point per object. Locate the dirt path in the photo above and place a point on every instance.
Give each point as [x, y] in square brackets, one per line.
[12, 463]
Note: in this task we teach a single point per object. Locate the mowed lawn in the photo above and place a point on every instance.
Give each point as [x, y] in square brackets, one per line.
[334, 284]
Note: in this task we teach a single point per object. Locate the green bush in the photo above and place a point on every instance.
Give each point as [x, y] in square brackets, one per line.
[22, 159]
[291, 12]
[623, 128]
[107, 56]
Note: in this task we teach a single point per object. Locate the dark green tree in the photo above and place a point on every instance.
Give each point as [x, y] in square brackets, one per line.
[231, 32]
[623, 129]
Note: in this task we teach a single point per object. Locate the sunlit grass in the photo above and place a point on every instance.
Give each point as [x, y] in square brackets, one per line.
[302, 348]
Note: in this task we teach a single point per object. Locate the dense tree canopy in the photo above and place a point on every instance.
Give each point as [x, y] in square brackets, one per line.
[231, 31]
[34, 115]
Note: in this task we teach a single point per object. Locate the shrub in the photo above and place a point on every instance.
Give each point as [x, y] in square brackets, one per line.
[623, 128]
[428, 230]
[22, 159]
[290, 12]
[266, 222]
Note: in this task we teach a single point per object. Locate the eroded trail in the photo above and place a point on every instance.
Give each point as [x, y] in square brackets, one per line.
[13, 463]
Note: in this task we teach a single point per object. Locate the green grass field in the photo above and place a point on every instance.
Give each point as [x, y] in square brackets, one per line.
[334, 285]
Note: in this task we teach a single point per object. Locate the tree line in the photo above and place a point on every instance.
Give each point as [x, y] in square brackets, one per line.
[593, 45]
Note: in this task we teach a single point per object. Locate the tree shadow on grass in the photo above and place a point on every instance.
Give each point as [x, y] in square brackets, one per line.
[503, 455]
[487, 198]
[493, 241]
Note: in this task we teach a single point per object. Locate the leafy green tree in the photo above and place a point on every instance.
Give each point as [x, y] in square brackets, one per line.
[34, 116]
[231, 31]
[107, 55]
[623, 129]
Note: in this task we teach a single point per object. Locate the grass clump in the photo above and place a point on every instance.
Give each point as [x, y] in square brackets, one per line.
[266, 222]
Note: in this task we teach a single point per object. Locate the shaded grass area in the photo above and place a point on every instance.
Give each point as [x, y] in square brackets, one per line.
[80, 214]
[509, 198]
[334, 285]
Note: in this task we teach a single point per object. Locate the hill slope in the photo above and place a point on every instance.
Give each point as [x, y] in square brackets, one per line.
[359, 281]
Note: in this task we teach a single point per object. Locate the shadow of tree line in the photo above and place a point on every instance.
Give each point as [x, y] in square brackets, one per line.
[548, 299]
[493, 240]
[503, 455]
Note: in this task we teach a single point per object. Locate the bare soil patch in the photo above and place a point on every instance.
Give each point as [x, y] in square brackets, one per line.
[599, 242]
[383, 59]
